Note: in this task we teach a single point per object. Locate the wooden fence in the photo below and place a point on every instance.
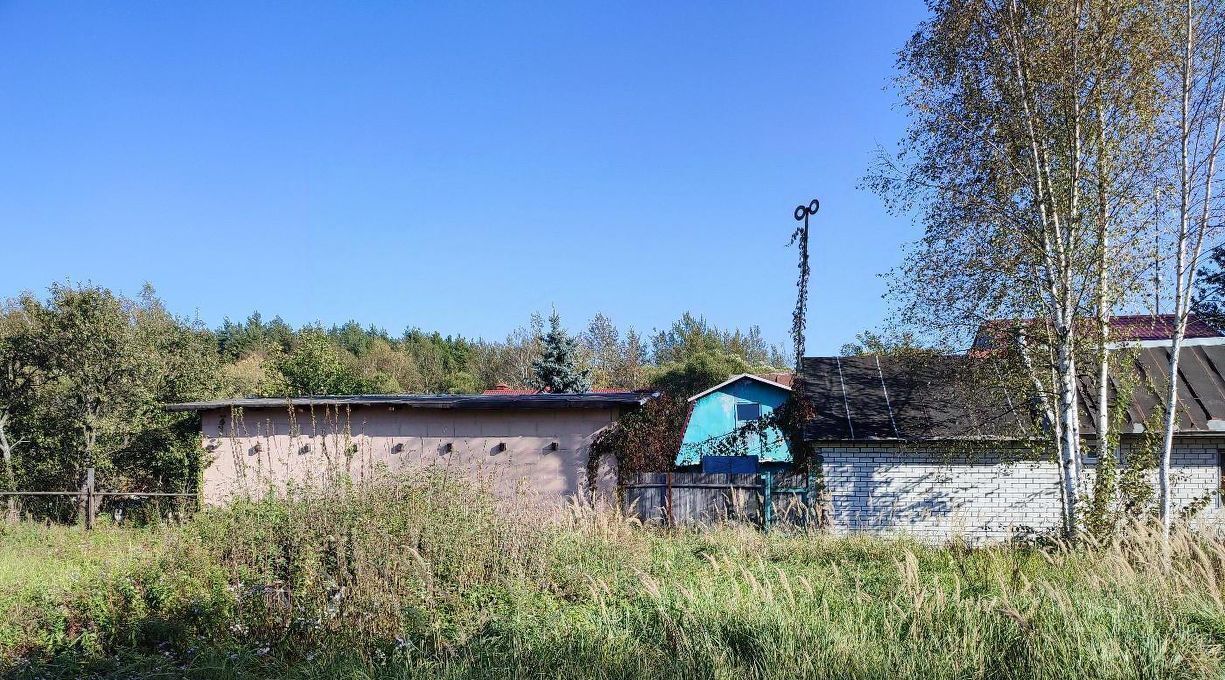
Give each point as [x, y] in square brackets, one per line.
[90, 496]
[699, 498]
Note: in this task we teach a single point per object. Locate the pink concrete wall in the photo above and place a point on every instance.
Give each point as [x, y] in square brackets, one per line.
[255, 450]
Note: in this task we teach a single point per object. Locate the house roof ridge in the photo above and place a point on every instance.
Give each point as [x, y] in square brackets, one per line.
[733, 379]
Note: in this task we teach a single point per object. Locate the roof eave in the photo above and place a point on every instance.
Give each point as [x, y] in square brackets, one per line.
[733, 379]
[439, 402]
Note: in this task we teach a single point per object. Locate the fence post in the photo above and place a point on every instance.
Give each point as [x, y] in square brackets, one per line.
[668, 501]
[767, 501]
[91, 500]
[809, 497]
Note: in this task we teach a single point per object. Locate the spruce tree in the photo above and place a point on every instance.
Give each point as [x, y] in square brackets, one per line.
[1209, 302]
[556, 370]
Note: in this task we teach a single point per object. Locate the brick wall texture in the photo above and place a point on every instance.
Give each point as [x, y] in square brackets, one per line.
[940, 495]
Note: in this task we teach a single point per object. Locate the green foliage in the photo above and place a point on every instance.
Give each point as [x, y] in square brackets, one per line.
[799, 238]
[1101, 517]
[386, 369]
[615, 362]
[433, 579]
[446, 363]
[274, 360]
[692, 335]
[693, 356]
[1136, 492]
[1123, 490]
[314, 366]
[89, 373]
[556, 369]
[253, 375]
[642, 440]
[237, 340]
[895, 343]
[355, 339]
[697, 372]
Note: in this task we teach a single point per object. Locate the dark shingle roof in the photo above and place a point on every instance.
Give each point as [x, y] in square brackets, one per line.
[435, 401]
[965, 397]
[930, 397]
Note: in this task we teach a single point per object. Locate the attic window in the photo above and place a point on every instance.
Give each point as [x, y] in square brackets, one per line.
[747, 411]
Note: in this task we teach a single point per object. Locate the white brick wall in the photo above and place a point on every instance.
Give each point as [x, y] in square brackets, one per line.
[934, 495]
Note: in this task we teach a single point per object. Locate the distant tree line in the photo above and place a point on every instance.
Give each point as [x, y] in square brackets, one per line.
[85, 373]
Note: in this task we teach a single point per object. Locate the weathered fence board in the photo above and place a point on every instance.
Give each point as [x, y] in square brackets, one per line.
[697, 498]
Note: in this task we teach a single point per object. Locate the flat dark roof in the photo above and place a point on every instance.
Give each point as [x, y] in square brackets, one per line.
[435, 401]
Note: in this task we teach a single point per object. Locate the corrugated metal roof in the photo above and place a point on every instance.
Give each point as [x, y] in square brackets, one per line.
[1124, 328]
[964, 397]
[1201, 389]
[435, 401]
[1161, 327]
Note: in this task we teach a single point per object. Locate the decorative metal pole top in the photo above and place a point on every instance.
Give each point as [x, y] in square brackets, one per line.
[802, 212]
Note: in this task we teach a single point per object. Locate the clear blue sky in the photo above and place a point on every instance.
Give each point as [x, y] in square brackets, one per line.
[453, 166]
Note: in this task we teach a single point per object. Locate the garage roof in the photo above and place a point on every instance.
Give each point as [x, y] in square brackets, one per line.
[937, 397]
[435, 401]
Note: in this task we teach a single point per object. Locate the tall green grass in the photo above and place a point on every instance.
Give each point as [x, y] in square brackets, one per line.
[433, 578]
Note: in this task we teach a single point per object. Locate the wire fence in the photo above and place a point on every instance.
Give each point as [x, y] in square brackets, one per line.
[91, 497]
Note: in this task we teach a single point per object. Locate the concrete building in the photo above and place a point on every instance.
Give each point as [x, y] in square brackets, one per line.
[531, 446]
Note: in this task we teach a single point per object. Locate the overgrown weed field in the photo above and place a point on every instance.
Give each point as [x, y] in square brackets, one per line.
[429, 578]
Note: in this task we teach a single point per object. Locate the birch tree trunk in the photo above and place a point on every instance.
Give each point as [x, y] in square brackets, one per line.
[1202, 106]
[1070, 444]
[1103, 339]
[1103, 300]
[1054, 420]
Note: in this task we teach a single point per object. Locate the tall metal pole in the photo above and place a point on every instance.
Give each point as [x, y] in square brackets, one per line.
[800, 237]
[798, 324]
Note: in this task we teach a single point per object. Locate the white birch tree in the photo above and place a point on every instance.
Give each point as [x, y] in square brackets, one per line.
[1199, 103]
[1020, 114]
[1124, 96]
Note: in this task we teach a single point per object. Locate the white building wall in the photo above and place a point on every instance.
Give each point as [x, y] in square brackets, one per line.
[934, 495]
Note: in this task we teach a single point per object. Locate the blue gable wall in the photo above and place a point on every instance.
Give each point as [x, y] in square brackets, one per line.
[714, 416]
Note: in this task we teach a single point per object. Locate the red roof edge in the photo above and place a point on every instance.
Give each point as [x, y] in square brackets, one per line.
[503, 388]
